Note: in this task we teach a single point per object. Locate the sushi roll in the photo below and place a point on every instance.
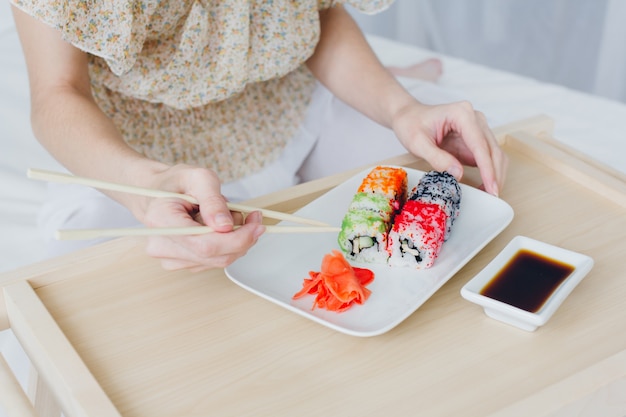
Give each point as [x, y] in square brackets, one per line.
[425, 221]
[363, 236]
[443, 189]
[390, 182]
[366, 224]
[417, 235]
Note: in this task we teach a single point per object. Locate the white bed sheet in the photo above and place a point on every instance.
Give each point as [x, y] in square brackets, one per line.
[590, 124]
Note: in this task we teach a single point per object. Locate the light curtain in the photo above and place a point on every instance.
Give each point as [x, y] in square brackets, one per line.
[580, 44]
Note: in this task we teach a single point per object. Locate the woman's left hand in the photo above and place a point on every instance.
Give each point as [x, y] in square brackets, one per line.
[449, 136]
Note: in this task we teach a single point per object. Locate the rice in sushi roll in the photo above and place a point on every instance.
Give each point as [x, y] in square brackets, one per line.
[365, 226]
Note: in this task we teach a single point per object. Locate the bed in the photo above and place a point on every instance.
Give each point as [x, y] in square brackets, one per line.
[591, 125]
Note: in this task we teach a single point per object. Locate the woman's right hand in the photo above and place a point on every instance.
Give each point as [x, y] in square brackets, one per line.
[197, 252]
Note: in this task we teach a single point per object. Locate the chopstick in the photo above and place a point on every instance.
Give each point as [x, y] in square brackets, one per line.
[80, 234]
[60, 177]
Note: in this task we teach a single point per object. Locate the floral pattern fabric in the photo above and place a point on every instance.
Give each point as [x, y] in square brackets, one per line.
[214, 83]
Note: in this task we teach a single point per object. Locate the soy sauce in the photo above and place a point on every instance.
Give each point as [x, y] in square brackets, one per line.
[527, 280]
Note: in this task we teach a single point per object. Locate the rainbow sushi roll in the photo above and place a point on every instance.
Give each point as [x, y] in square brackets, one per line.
[366, 224]
[443, 189]
[425, 221]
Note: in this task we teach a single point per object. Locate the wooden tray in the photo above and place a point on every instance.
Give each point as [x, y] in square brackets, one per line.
[111, 333]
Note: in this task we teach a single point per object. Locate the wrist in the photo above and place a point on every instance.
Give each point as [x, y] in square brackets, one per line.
[408, 112]
[142, 173]
[400, 105]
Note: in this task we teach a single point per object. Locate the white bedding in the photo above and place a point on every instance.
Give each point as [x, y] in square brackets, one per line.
[590, 124]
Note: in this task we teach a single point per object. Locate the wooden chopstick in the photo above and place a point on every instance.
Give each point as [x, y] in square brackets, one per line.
[84, 234]
[60, 177]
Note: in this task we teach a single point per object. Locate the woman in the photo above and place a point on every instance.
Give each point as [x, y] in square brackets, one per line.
[212, 98]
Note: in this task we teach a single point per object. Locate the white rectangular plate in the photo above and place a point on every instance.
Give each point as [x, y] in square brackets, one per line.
[276, 266]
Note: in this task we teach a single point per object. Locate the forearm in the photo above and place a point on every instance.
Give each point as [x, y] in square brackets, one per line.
[70, 125]
[66, 119]
[447, 136]
[74, 130]
[345, 63]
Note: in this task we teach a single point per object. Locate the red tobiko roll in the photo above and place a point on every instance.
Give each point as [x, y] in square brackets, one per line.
[417, 235]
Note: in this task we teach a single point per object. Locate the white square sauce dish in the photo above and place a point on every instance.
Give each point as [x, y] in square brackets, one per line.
[526, 282]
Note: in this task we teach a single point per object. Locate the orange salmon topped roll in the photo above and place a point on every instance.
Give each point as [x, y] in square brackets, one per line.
[388, 181]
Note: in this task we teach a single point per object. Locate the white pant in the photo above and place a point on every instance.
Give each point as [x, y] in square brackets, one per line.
[333, 138]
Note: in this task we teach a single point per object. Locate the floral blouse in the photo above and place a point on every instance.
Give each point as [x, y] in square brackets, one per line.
[219, 84]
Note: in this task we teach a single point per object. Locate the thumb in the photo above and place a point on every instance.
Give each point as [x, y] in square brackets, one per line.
[213, 208]
[216, 214]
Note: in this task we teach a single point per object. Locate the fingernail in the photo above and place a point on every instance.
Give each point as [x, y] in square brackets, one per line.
[222, 219]
[256, 216]
[494, 189]
[455, 171]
